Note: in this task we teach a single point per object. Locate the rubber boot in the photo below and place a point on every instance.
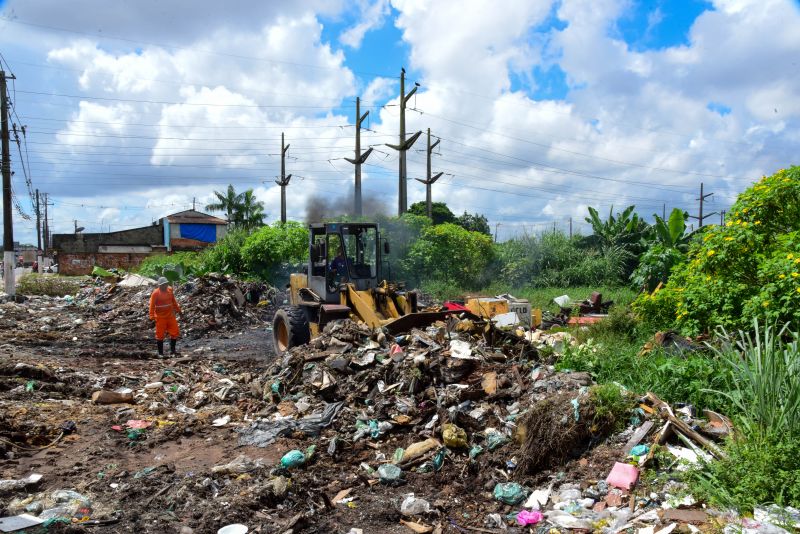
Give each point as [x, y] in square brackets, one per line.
[172, 343]
[160, 343]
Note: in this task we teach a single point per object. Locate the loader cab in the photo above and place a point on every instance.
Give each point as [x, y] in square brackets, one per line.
[343, 253]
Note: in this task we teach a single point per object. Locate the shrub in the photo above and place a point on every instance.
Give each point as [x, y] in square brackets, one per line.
[449, 253]
[553, 259]
[269, 252]
[46, 284]
[658, 310]
[401, 233]
[226, 255]
[748, 268]
[154, 266]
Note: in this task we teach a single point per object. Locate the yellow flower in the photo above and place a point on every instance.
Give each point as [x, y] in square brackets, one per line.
[790, 256]
[729, 223]
[765, 303]
[728, 238]
[744, 223]
[782, 276]
[757, 222]
[795, 275]
[710, 252]
[798, 289]
[797, 260]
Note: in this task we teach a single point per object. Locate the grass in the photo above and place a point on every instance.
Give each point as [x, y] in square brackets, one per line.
[50, 285]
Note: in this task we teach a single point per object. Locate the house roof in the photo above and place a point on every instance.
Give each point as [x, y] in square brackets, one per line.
[194, 217]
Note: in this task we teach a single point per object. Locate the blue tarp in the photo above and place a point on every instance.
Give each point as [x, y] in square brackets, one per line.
[201, 232]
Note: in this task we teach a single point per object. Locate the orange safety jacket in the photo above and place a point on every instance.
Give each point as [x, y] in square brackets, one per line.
[163, 304]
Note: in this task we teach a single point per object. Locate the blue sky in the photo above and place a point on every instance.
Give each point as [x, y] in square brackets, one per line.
[543, 107]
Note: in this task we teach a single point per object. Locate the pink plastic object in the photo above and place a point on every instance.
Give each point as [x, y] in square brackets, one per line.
[623, 476]
[138, 424]
[529, 518]
[396, 349]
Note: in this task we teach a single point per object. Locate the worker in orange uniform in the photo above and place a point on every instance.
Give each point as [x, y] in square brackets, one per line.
[163, 308]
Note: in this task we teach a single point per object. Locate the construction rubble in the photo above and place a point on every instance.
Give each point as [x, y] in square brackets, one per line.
[457, 427]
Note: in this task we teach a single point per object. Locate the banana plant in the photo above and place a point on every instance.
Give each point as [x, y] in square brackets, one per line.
[672, 232]
[623, 230]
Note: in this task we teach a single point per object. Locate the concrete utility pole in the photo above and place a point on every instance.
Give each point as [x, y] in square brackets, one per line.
[429, 181]
[46, 228]
[700, 216]
[9, 257]
[404, 145]
[284, 180]
[38, 235]
[359, 159]
[570, 227]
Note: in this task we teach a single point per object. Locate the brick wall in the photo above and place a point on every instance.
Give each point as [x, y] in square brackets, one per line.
[79, 264]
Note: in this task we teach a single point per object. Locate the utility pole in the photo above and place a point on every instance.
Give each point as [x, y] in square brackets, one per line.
[700, 216]
[9, 256]
[570, 227]
[404, 145]
[284, 179]
[46, 228]
[722, 217]
[429, 181]
[664, 211]
[39, 235]
[194, 200]
[359, 159]
[496, 226]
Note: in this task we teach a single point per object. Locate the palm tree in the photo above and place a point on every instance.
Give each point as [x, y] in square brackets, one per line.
[228, 202]
[250, 212]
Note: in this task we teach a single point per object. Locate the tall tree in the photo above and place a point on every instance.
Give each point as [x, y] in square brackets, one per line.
[249, 214]
[228, 201]
[441, 213]
[474, 223]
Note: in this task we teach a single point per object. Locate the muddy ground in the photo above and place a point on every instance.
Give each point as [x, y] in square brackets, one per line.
[162, 478]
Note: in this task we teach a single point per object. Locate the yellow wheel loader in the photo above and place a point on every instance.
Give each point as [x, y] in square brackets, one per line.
[343, 279]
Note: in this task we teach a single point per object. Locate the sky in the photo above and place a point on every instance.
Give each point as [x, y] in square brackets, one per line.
[133, 110]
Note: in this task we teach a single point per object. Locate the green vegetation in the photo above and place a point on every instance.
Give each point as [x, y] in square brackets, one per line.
[48, 284]
[448, 253]
[271, 251]
[187, 262]
[747, 269]
[763, 463]
[612, 405]
[668, 249]
[610, 351]
[243, 211]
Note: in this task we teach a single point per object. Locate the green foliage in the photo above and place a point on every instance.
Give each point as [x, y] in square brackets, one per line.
[657, 311]
[612, 405]
[242, 209]
[655, 266]
[755, 472]
[763, 463]
[748, 268]
[269, 251]
[154, 266]
[102, 273]
[451, 254]
[47, 284]
[249, 213]
[623, 230]
[613, 358]
[474, 223]
[555, 260]
[766, 389]
[667, 246]
[542, 297]
[226, 255]
[401, 233]
[441, 214]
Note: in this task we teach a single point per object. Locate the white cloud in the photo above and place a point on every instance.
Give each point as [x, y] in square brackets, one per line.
[372, 17]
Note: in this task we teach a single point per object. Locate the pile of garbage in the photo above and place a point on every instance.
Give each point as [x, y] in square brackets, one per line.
[117, 312]
[457, 427]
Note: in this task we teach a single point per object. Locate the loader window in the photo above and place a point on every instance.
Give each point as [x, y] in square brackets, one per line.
[361, 248]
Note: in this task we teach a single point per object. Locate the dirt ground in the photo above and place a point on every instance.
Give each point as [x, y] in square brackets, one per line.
[158, 463]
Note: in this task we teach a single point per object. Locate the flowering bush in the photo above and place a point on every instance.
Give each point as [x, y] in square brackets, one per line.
[748, 268]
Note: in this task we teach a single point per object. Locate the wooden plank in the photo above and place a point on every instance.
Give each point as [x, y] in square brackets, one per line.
[638, 436]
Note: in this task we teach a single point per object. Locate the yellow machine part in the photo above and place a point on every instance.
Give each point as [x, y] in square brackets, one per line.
[487, 307]
[296, 282]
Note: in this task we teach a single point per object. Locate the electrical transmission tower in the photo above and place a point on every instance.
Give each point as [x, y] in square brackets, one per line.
[699, 217]
[404, 145]
[359, 159]
[429, 181]
[283, 181]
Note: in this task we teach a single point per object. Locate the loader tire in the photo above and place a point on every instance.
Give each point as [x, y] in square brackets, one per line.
[289, 329]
